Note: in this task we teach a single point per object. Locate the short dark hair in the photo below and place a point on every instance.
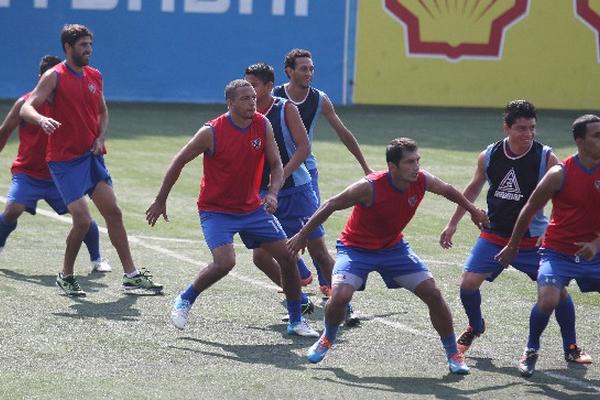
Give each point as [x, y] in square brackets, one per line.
[518, 109]
[47, 62]
[262, 71]
[290, 57]
[71, 33]
[579, 127]
[396, 148]
[232, 87]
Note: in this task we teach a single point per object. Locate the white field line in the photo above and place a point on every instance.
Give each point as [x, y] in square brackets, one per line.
[572, 381]
[141, 241]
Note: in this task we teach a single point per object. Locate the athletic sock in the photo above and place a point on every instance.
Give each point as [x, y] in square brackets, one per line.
[471, 300]
[537, 323]
[303, 298]
[303, 269]
[323, 281]
[190, 294]
[135, 272]
[331, 331]
[565, 316]
[5, 230]
[294, 308]
[449, 343]
[92, 241]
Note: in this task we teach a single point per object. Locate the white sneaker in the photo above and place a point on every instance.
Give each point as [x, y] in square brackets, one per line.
[301, 328]
[101, 265]
[180, 312]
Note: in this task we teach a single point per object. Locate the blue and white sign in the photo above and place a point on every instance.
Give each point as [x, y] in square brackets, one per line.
[179, 50]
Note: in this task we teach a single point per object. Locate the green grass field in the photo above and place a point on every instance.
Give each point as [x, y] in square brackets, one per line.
[112, 345]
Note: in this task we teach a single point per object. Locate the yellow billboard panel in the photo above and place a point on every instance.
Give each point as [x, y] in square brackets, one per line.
[478, 53]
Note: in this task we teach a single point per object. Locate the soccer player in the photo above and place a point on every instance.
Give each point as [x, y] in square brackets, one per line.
[311, 102]
[77, 131]
[383, 204]
[572, 241]
[513, 167]
[296, 200]
[31, 179]
[235, 146]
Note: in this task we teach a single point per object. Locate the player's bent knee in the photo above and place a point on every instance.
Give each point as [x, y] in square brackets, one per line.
[82, 224]
[471, 281]
[287, 262]
[113, 214]
[341, 294]
[260, 257]
[429, 292]
[12, 212]
[547, 305]
[224, 266]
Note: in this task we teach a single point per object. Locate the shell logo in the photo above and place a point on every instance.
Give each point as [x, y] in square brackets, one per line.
[589, 12]
[456, 29]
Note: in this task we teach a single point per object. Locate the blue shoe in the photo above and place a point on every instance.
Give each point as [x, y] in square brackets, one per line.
[317, 351]
[180, 312]
[456, 364]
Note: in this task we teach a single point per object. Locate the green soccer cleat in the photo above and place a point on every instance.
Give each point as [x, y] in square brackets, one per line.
[141, 282]
[70, 285]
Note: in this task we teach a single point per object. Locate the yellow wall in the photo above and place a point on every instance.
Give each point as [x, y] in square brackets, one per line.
[549, 57]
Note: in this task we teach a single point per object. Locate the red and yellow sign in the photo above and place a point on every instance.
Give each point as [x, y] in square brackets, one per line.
[478, 53]
[453, 29]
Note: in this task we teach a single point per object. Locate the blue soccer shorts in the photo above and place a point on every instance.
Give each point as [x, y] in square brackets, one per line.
[481, 260]
[295, 209]
[254, 228]
[399, 266]
[79, 177]
[27, 190]
[314, 176]
[558, 269]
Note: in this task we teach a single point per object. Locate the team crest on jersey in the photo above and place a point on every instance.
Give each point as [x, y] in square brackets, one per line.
[509, 187]
[412, 200]
[256, 143]
[92, 88]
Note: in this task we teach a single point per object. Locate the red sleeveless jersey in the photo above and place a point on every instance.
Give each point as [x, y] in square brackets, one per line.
[575, 208]
[76, 105]
[232, 173]
[31, 156]
[379, 225]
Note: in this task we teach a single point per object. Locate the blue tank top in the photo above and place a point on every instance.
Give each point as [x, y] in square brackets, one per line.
[309, 109]
[287, 148]
[512, 180]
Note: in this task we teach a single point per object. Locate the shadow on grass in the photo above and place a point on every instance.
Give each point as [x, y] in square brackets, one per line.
[319, 313]
[571, 378]
[88, 283]
[119, 310]
[439, 388]
[279, 355]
